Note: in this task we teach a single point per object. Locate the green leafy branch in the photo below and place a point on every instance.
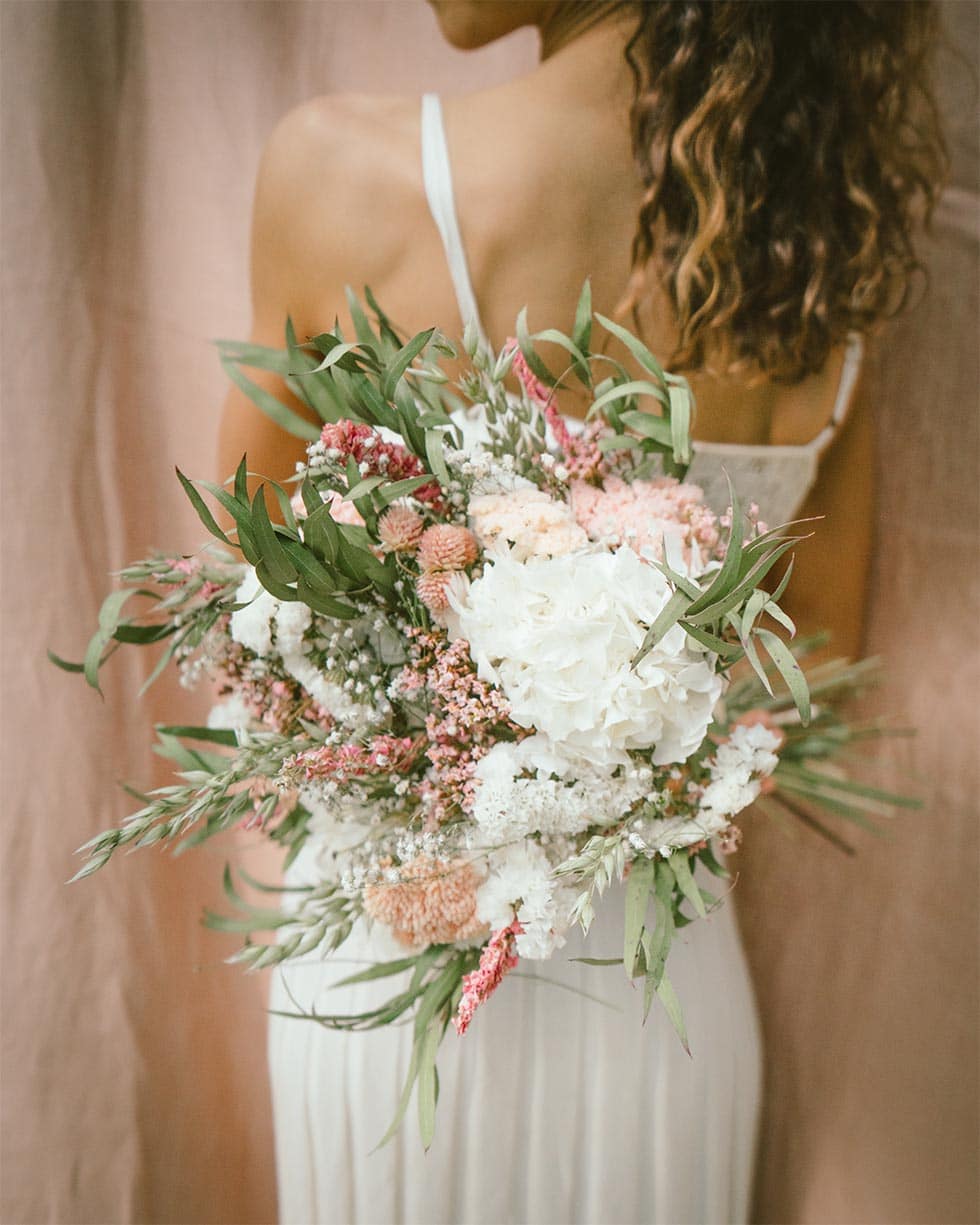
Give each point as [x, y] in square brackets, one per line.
[724, 617]
[322, 920]
[430, 999]
[212, 796]
[180, 619]
[659, 437]
[379, 379]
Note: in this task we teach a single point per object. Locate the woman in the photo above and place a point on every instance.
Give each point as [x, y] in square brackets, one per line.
[745, 176]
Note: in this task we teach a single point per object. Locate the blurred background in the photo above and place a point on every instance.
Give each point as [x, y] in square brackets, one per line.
[133, 1079]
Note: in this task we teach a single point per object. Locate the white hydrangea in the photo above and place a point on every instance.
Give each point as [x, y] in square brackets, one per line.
[293, 619]
[519, 878]
[251, 626]
[527, 521]
[558, 635]
[517, 792]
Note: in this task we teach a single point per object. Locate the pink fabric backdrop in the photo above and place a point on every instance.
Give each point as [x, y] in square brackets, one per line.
[133, 1068]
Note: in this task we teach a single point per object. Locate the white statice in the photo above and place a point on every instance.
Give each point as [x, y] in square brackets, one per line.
[231, 714]
[519, 879]
[538, 787]
[738, 767]
[558, 635]
[252, 625]
[528, 522]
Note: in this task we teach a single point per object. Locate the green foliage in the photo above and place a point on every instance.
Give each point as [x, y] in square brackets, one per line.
[430, 999]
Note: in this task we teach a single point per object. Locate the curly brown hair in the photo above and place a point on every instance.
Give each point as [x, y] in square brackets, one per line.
[788, 149]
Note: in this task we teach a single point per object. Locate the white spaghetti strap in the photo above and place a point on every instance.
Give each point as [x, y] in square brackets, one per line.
[845, 391]
[438, 182]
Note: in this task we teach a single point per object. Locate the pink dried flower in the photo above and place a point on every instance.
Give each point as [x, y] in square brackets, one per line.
[351, 440]
[433, 901]
[466, 718]
[581, 453]
[447, 546]
[343, 512]
[496, 959]
[433, 589]
[381, 755]
[535, 389]
[400, 528]
[641, 513]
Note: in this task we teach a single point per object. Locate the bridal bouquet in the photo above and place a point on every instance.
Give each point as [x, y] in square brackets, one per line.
[479, 661]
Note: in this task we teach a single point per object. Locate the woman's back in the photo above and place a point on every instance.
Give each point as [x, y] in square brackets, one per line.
[546, 195]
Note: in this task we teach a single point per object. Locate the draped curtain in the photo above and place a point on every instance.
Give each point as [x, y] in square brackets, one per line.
[133, 1074]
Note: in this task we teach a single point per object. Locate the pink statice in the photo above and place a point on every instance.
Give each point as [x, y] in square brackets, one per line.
[278, 702]
[465, 720]
[640, 514]
[381, 755]
[348, 439]
[498, 957]
[429, 901]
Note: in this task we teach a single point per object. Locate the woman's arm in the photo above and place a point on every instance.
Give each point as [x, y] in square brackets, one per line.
[276, 294]
[315, 227]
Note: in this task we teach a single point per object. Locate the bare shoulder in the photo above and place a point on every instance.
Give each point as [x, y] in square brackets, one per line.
[337, 181]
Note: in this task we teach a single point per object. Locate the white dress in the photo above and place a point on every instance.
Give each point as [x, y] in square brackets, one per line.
[554, 1109]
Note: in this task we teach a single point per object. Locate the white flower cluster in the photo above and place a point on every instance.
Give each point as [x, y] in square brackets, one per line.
[537, 787]
[529, 521]
[274, 628]
[519, 878]
[558, 635]
[738, 767]
[748, 756]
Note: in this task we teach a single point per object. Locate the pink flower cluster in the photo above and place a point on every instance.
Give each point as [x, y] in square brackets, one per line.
[354, 440]
[497, 958]
[444, 551]
[432, 901]
[382, 755]
[639, 513]
[463, 724]
[275, 701]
